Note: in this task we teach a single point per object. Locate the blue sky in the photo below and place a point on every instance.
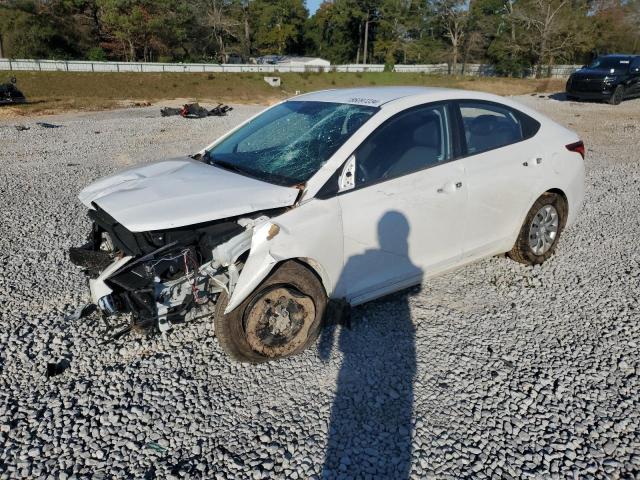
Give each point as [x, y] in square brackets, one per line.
[313, 5]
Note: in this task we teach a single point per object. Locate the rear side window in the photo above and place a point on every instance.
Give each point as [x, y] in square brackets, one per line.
[488, 126]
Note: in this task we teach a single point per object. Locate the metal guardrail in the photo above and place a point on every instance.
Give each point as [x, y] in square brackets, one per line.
[141, 67]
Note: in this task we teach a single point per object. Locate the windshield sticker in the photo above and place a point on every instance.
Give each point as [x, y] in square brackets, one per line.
[363, 101]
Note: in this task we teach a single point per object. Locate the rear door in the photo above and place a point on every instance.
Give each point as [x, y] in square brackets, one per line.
[503, 165]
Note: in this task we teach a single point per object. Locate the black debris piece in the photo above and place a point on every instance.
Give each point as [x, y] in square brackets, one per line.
[81, 312]
[9, 93]
[47, 125]
[56, 368]
[194, 110]
[169, 111]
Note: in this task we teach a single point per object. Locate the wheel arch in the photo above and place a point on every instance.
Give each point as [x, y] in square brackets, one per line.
[562, 195]
[245, 290]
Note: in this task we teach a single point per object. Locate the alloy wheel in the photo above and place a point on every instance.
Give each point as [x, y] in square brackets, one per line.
[543, 230]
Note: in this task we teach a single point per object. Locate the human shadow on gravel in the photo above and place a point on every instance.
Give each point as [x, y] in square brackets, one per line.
[369, 434]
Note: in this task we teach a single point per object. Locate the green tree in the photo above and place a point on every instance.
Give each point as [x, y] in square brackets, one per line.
[277, 26]
[38, 29]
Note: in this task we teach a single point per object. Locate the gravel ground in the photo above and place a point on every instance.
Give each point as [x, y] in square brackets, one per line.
[494, 371]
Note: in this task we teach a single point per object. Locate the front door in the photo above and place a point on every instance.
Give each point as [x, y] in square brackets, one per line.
[405, 217]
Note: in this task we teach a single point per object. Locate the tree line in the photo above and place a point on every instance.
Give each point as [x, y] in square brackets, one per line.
[511, 35]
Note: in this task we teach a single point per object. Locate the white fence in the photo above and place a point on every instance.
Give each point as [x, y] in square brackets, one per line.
[89, 66]
[484, 70]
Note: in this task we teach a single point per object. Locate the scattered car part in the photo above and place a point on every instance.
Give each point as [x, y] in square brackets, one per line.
[81, 312]
[9, 93]
[57, 368]
[194, 110]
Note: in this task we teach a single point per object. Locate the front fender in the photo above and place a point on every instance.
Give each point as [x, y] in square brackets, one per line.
[311, 232]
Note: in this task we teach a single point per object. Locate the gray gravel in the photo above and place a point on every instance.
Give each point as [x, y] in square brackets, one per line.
[494, 371]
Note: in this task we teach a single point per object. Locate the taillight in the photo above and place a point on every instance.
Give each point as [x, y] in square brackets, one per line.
[577, 147]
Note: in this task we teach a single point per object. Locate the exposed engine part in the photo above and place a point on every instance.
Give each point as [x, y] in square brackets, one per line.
[162, 278]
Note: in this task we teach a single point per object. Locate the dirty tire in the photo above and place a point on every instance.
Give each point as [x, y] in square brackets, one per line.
[522, 251]
[239, 342]
[617, 96]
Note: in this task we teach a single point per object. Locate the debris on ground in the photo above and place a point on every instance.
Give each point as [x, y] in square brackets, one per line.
[57, 368]
[194, 110]
[47, 125]
[81, 312]
[156, 447]
[22, 128]
[9, 93]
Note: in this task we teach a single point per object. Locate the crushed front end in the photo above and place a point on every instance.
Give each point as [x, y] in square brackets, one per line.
[160, 278]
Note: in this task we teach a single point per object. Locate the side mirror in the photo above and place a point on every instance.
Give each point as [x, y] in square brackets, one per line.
[347, 180]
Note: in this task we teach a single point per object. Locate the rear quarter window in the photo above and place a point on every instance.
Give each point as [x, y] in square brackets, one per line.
[487, 125]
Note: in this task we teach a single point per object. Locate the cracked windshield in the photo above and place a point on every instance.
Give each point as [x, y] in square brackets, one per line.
[290, 142]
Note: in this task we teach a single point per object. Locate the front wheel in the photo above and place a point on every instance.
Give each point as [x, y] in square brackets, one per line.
[617, 96]
[541, 230]
[282, 317]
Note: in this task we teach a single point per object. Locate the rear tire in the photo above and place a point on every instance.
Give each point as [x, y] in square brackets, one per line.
[617, 96]
[540, 232]
[282, 317]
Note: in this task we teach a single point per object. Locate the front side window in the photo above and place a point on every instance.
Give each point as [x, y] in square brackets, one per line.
[288, 143]
[488, 126]
[410, 141]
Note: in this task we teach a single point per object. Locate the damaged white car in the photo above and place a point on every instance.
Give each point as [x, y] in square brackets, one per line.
[344, 195]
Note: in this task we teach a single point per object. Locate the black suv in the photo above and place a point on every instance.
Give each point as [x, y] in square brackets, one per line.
[611, 77]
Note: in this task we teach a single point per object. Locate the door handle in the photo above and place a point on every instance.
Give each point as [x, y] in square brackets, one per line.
[450, 187]
[532, 163]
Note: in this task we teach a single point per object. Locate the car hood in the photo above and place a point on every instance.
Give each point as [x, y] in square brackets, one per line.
[178, 192]
[594, 73]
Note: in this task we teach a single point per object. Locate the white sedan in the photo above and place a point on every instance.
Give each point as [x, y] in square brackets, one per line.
[336, 196]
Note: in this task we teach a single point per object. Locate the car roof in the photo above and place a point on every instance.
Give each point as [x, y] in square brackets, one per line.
[375, 96]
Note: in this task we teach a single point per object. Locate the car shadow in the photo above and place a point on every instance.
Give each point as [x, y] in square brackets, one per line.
[562, 97]
[370, 429]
